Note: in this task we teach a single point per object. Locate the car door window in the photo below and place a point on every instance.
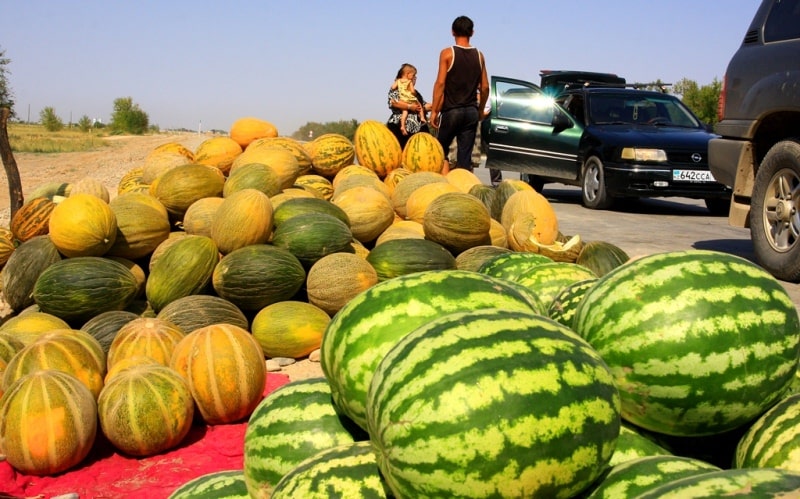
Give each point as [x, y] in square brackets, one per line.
[783, 22]
[518, 102]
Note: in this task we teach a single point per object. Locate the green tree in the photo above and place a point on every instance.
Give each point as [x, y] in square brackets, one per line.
[128, 117]
[700, 99]
[85, 124]
[50, 120]
[312, 129]
[6, 95]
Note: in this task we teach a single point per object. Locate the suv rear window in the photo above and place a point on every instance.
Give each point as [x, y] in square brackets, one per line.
[783, 22]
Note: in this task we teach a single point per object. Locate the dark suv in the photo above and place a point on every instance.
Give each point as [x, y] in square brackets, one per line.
[593, 131]
[758, 153]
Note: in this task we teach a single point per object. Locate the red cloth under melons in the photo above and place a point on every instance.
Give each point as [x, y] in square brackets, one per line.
[106, 473]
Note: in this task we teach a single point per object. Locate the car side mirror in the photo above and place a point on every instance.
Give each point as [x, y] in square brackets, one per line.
[561, 121]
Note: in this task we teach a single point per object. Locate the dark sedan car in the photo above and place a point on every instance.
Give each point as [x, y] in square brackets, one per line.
[612, 141]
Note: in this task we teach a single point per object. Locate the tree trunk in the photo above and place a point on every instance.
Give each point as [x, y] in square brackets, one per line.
[12, 172]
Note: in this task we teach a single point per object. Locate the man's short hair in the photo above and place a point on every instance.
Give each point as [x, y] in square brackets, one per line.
[463, 26]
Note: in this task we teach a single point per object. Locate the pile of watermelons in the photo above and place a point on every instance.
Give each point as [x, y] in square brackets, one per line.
[469, 348]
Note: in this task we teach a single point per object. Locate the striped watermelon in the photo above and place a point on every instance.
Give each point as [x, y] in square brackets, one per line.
[548, 279]
[635, 477]
[361, 333]
[749, 483]
[562, 307]
[492, 403]
[348, 471]
[228, 484]
[700, 342]
[510, 264]
[291, 424]
[773, 441]
[631, 444]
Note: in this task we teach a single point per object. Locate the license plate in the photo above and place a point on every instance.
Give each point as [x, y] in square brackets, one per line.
[692, 176]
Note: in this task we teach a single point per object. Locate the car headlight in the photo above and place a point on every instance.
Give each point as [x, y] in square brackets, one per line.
[638, 154]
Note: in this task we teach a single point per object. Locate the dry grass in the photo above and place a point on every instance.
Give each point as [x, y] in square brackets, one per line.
[34, 138]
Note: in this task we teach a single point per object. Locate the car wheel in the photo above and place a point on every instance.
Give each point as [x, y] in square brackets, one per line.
[774, 217]
[718, 207]
[593, 186]
[534, 181]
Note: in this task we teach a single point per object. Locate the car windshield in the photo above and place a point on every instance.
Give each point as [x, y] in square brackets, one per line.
[639, 109]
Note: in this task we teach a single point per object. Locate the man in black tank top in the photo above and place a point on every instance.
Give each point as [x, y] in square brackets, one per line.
[459, 94]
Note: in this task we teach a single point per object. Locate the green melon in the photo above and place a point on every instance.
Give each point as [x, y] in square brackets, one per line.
[196, 311]
[405, 256]
[310, 236]
[184, 268]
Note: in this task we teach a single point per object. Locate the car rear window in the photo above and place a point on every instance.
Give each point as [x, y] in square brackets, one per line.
[783, 22]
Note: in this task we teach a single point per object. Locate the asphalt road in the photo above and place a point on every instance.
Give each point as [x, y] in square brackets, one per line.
[647, 226]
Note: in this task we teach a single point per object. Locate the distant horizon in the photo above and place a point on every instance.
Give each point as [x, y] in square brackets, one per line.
[203, 65]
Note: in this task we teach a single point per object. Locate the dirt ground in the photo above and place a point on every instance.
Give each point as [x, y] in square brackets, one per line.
[108, 165]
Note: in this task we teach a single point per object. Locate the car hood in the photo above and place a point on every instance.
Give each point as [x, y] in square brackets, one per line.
[662, 137]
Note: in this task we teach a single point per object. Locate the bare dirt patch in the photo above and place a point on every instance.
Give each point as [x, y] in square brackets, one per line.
[108, 165]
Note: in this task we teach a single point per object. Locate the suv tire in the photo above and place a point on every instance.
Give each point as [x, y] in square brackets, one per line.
[774, 216]
[593, 185]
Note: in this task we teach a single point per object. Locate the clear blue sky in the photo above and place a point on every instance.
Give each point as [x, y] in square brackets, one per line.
[207, 63]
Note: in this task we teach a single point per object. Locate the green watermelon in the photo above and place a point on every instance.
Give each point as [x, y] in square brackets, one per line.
[635, 477]
[398, 257]
[773, 441]
[492, 403]
[291, 424]
[508, 265]
[631, 445]
[219, 484]
[549, 279]
[361, 333]
[348, 471]
[700, 342]
[747, 483]
[563, 305]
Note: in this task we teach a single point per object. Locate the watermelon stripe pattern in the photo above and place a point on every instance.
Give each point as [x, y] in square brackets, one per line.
[291, 424]
[228, 484]
[348, 471]
[361, 333]
[773, 441]
[748, 483]
[700, 342]
[492, 403]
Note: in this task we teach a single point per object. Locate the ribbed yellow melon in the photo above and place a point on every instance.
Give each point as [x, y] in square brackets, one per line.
[394, 177]
[317, 182]
[245, 130]
[218, 152]
[243, 218]
[377, 148]
[369, 211]
[350, 170]
[83, 225]
[402, 229]
[457, 221]
[258, 176]
[371, 181]
[28, 326]
[145, 336]
[159, 161]
[423, 152]
[48, 422]
[225, 369]
[133, 180]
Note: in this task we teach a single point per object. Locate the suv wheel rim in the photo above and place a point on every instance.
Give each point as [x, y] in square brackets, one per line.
[781, 219]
